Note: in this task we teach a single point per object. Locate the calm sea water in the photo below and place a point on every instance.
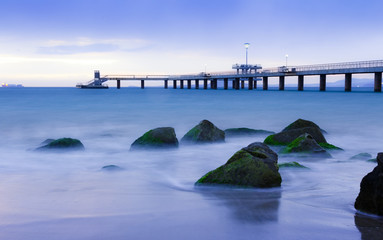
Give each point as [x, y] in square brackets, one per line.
[67, 196]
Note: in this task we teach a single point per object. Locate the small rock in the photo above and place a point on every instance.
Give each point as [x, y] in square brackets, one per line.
[306, 144]
[238, 132]
[111, 168]
[204, 132]
[361, 156]
[370, 198]
[63, 144]
[291, 165]
[164, 137]
[253, 166]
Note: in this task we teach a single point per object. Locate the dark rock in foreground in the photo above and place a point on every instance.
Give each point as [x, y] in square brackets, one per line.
[291, 165]
[370, 198]
[307, 146]
[63, 144]
[253, 166]
[111, 168]
[239, 132]
[361, 156]
[286, 137]
[164, 137]
[204, 132]
[301, 123]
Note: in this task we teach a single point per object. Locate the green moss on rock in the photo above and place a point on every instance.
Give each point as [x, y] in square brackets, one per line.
[204, 132]
[270, 140]
[164, 137]
[329, 146]
[291, 165]
[253, 166]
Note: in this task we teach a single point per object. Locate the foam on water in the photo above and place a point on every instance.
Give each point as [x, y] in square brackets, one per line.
[68, 196]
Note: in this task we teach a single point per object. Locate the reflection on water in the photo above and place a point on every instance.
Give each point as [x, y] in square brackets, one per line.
[246, 205]
[371, 228]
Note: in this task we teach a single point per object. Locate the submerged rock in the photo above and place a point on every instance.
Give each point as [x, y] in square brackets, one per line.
[370, 198]
[238, 132]
[47, 141]
[204, 132]
[291, 165]
[286, 137]
[307, 146]
[361, 156]
[301, 123]
[253, 166]
[111, 168]
[63, 144]
[164, 137]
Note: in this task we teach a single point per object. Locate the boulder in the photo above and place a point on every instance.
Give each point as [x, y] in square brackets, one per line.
[253, 166]
[306, 146]
[111, 168]
[301, 123]
[361, 156]
[291, 165]
[286, 137]
[63, 144]
[370, 198]
[164, 137]
[204, 132]
[239, 132]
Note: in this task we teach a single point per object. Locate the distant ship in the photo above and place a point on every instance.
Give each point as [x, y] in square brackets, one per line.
[11, 85]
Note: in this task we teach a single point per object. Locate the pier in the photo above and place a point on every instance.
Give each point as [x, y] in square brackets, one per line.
[251, 74]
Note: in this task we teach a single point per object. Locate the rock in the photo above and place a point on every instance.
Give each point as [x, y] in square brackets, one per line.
[63, 144]
[238, 132]
[164, 137]
[301, 123]
[286, 137]
[291, 165]
[111, 168]
[372, 160]
[253, 166]
[204, 132]
[370, 198]
[47, 141]
[361, 156]
[306, 145]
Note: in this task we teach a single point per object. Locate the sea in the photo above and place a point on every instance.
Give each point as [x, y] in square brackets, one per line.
[59, 195]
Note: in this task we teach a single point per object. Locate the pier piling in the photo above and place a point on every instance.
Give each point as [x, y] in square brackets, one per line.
[189, 84]
[242, 84]
[205, 84]
[174, 84]
[347, 83]
[166, 84]
[142, 84]
[322, 82]
[236, 83]
[378, 82]
[281, 83]
[118, 84]
[300, 82]
[251, 81]
[182, 84]
[196, 84]
[225, 83]
[265, 83]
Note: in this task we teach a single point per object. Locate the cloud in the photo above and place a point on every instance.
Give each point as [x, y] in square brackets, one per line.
[86, 45]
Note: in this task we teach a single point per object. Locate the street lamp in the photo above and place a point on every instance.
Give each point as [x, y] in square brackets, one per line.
[247, 47]
[205, 68]
[287, 56]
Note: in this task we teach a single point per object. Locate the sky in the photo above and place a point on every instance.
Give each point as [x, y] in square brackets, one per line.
[60, 43]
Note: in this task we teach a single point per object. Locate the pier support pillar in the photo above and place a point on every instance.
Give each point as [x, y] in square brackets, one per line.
[189, 84]
[322, 82]
[236, 83]
[347, 83]
[212, 84]
[196, 84]
[182, 84]
[174, 84]
[215, 83]
[205, 84]
[225, 83]
[166, 84]
[300, 82]
[242, 84]
[142, 84]
[378, 82]
[255, 84]
[265, 83]
[118, 84]
[251, 81]
[281, 83]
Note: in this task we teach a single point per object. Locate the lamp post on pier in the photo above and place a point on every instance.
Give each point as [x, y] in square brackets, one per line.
[287, 56]
[247, 47]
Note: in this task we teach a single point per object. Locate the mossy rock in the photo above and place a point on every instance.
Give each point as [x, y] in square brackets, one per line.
[253, 166]
[306, 145]
[361, 156]
[286, 137]
[301, 123]
[47, 141]
[239, 132]
[63, 144]
[291, 165]
[164, 137]
[204, 132]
